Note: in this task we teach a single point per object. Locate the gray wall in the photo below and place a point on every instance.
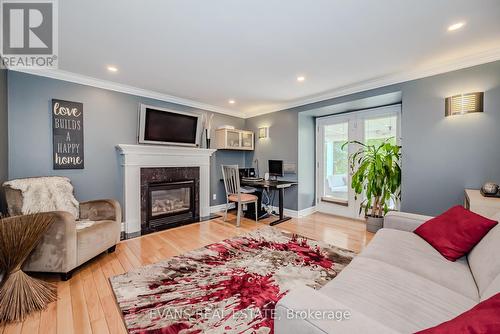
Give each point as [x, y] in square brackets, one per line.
[110, 118]
[307, 161]
[441, 156]
[3, 134]
[281, 145]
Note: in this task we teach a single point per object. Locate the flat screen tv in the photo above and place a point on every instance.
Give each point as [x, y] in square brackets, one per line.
[168, 127]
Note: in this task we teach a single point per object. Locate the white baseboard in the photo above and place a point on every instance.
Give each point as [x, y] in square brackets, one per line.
[220, 207]
[290, 213]
[213, 209]
[295, 213]
[308, 211]
[287, 212]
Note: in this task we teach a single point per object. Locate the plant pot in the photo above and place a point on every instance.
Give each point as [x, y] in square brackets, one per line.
[373, 224]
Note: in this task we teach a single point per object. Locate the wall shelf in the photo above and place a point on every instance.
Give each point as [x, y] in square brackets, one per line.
[234, 139]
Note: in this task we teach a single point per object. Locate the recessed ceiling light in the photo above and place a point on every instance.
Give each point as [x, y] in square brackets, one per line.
[301, 78]
[231, 101]
[112, 69]
[456, 26]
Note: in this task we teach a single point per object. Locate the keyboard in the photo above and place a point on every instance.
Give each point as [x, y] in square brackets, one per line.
[250, 179]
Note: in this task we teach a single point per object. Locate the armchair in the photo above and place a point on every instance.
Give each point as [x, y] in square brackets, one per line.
[70, 241]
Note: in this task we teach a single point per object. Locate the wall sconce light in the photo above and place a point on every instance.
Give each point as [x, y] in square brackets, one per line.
[264, 132]
[464, 104]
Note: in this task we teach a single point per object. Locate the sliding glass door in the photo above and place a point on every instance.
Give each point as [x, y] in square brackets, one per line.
[372, 126]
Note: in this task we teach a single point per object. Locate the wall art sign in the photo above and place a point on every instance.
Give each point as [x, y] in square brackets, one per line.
[67, 134]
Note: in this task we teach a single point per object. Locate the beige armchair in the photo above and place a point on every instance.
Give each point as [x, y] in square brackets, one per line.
[69, 243]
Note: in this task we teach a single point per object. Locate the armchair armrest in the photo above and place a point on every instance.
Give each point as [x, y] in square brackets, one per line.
[103, 209]
[404, 221]
[56, 251]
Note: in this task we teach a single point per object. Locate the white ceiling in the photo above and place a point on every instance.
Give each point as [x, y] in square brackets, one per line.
[253, 50]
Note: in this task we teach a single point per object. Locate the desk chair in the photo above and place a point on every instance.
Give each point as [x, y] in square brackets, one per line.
[234, 192]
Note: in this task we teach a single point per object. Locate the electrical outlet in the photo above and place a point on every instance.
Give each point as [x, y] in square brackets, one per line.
[214, 197]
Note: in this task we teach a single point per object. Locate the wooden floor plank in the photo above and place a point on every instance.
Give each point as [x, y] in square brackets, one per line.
[116, 265]
[13, 328]
[31, 324]
[48, 322]
[100, 326]
[106, 296]
[124, 261]
[131, 257]
[64, 309]
[81, 319]
[91, 296]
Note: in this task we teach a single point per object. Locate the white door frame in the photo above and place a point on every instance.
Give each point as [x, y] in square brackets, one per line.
[355, 132]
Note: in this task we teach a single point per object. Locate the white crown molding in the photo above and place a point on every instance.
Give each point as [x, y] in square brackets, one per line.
[418, 73]
[412, 74]
[117, 87]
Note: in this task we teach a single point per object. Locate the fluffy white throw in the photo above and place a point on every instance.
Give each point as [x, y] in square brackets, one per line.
[45, 194]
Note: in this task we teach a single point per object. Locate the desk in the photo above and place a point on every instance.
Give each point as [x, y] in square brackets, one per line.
[272, 184]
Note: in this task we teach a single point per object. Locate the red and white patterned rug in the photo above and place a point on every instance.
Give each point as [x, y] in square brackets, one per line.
[227, 287]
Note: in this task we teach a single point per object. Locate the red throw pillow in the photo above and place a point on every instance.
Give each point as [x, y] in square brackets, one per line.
[484, 318]
[455, 232]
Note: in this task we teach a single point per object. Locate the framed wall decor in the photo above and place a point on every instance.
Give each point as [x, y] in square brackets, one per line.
[67, 134]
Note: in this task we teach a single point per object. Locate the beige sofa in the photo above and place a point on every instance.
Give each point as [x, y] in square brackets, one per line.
[398, 284]
[69, 243]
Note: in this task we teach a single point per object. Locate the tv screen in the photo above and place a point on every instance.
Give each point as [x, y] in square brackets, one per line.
[169, 127]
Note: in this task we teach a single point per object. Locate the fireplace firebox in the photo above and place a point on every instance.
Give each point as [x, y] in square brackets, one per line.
[170, 202]
[169, 197]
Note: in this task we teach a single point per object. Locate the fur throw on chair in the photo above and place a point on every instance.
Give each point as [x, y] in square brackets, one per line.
[45, 194]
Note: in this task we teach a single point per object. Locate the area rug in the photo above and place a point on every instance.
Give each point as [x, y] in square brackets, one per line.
[227, 287]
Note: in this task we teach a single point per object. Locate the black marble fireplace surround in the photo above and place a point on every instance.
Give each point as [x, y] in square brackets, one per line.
[158, 181]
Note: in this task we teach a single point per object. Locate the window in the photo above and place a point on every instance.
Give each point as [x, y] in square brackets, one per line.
[372, 126]
[336, 162]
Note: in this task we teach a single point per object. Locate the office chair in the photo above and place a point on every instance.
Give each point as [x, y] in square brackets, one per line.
[234, 193]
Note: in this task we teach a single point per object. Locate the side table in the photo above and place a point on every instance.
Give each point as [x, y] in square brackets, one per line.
[485, 206]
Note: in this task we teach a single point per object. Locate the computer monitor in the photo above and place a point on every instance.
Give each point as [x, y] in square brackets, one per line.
[276, 168]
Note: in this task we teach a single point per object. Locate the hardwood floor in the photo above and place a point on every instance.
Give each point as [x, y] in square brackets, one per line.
[86, 303]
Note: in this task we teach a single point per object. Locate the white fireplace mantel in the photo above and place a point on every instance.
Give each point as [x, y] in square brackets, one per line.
[135, 157]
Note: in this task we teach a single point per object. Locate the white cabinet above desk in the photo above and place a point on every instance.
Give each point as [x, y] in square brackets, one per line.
[234, 139]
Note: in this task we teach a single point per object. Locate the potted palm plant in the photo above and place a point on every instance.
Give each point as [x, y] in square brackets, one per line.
[376, 173]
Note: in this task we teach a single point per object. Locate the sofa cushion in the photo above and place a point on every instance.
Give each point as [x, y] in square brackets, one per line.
[400, 299]
[482, 318]
[404, 221]
[291, 318]
[484, 259]
[492, 289]
[455, 232]
[410, 252]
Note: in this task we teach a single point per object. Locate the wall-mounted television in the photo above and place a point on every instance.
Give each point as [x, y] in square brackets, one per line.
[168, 127]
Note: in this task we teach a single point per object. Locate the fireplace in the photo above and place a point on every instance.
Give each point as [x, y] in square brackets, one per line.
[169, 197]
[171, 202]
[144, 164]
